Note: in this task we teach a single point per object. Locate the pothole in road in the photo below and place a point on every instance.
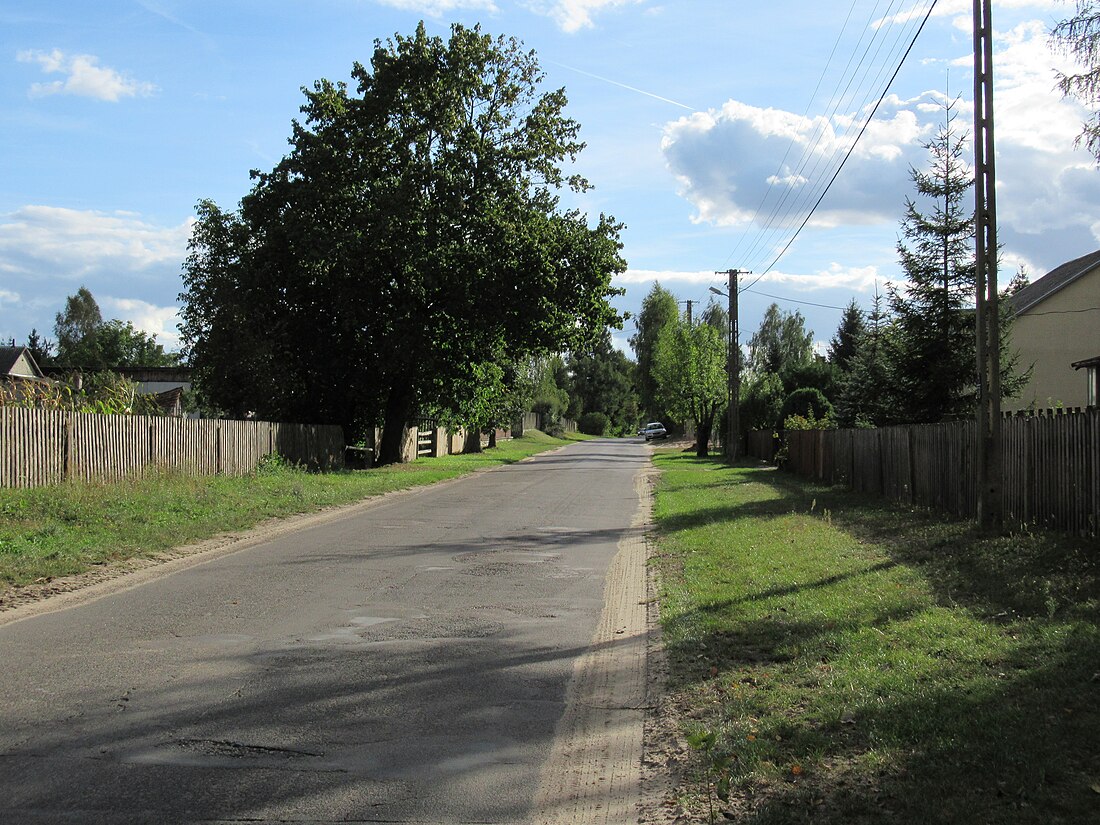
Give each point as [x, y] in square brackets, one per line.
[504, 555]
[220, 747]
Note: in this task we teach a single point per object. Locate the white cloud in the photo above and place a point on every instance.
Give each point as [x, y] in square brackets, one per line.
[644, 276]
[71, 244]
[964, 11]
[836, 276]
[574, 15]
[740, 165]
[47, 252]
[83, 77]
[150, 318]
[440, 8]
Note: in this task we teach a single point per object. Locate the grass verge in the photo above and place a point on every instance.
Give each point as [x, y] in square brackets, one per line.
[58, 531]
[836, 659]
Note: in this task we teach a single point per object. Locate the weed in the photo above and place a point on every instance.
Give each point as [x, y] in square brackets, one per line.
[716, 766]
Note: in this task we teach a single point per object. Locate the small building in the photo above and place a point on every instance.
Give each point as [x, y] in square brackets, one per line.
[19, 363]
[1057, 333]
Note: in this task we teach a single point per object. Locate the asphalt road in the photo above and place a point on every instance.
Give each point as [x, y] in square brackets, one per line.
[406, 663]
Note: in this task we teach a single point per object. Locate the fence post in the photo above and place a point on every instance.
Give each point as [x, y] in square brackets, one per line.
[910, 446]
[67, 446]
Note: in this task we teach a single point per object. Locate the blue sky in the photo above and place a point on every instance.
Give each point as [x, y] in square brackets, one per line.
[711, 127]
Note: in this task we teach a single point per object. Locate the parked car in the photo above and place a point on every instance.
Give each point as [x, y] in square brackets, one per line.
[654, 429]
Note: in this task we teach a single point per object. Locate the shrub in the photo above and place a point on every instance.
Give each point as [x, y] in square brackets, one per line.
[594, 423]
[808, 402]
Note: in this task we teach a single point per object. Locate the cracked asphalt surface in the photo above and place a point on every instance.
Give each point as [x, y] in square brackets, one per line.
[408, 661]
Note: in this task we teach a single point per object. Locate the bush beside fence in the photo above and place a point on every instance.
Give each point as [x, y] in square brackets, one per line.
[42, 447]
[1051, 465]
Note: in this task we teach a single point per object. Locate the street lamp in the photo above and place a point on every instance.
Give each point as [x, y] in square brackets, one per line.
[733, 366]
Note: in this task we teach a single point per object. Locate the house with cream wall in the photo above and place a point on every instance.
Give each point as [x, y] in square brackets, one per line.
[1056, 331]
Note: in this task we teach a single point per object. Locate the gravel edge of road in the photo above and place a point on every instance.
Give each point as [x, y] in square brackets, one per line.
[594, 773]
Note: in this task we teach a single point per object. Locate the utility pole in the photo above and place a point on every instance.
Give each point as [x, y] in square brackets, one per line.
[987, 314]
[689, 305]
[733, 424]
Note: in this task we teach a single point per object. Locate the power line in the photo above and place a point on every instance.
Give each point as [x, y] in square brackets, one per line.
[851, 148]
[828, 125]
[791, 300]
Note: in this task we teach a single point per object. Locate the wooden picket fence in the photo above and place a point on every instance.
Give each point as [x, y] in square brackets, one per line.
[1051, 465]
[43, 447]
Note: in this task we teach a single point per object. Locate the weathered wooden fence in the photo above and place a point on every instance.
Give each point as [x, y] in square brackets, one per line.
[1051, 465]
[42, 447]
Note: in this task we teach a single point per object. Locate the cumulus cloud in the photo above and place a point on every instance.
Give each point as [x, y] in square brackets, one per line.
[574, 15]
[440, 8]
[750, 167]
[964, 10]
[71, 243]
[155, 320]
[741, 163]
[47, 252]
[83, 76]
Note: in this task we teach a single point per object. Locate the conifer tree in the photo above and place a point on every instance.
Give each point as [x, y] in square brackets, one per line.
[932, 356]
[842, 348]
[1079, 37]
[865, 396]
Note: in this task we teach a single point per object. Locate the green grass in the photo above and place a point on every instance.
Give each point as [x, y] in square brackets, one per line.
[863, 663]
[57, 531]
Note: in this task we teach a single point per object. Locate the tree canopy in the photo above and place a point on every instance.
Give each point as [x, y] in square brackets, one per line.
[689, 365]
[86, 341]
[659, 309]
[1079, 37]
[781, 343]
[601, 380]
[412, 235]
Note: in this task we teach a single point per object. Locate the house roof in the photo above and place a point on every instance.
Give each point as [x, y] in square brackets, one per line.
[1087, 362]
[1056, 279]
[9, 357]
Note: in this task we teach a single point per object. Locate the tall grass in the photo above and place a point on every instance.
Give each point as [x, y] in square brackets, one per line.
[862, 663]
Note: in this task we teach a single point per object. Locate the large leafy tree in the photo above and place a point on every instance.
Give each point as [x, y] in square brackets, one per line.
[659, 309]
[689, 365]
[85, 340]
[1079, 36]
[412, 233]
[77, 323]
[781, 343]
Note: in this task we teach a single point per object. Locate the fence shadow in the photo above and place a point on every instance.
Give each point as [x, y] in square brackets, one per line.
[1008, 739]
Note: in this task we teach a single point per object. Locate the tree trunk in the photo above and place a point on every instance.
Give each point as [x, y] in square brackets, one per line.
[473, 441]
[702, 434]
[492, 438]
[398, 411]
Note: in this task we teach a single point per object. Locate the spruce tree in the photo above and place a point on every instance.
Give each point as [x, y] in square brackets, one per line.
[866, 396]
[842, 348]
[932, 354]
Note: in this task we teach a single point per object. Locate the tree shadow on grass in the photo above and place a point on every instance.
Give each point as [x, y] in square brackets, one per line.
[1008, 737]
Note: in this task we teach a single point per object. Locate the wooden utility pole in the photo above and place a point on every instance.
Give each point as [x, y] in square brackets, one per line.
[987, 315]
[733, 423]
